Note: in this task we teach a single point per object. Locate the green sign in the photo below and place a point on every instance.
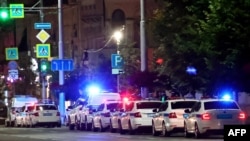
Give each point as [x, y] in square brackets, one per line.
[11, 53]
[42, 50]
[16, 11]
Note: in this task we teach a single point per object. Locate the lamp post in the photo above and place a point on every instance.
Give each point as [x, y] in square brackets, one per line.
[118, 36]
[144, 93]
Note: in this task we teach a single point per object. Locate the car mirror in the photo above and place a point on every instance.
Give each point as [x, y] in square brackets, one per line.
[154, 110]
[187, 111]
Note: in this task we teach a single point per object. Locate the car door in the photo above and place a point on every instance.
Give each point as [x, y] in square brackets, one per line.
[191, 118]
[159, 116]
[125, 116]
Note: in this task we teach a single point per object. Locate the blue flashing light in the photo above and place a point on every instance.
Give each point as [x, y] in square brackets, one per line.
[226, 97]
[93, 90]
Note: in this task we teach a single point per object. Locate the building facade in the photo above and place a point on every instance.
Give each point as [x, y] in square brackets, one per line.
[88, 26]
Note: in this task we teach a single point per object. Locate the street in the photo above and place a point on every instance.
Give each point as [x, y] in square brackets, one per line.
[63, 134]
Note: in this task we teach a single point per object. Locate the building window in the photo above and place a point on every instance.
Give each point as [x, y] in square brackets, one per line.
[118, 19]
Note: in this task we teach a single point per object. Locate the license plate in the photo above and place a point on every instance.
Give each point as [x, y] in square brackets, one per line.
[151, 115]
[47, 114]
[224, 116]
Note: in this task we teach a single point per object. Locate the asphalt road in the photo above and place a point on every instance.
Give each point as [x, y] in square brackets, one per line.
[63, 134]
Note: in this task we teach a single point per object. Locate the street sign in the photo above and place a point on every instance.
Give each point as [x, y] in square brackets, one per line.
[11, 53]
[16, 10]
[116, 61]
[42, 25]
[43, 36]
[13, 74]
[117, 71]
[12, 65]
[62, 64]
[42, 50]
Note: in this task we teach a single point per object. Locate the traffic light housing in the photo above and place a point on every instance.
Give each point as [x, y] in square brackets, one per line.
[44, 66]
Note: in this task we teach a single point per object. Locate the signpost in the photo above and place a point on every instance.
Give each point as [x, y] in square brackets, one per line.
[43, 36]
[16, 10]
[42, 50]
[42, 25]
[117, 64]
[62, 65]
[11, 53]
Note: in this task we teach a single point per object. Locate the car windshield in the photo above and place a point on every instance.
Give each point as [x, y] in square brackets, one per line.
[220, 105]
[182, 104]
[46, 107]
[148, 105]
[112, 106]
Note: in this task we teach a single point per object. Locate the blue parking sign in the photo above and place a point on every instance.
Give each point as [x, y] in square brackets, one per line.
[116, 61]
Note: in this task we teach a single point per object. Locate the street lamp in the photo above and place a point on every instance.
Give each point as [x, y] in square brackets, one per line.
[118, 36]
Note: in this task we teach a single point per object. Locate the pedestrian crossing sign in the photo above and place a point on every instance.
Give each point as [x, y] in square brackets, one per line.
[42, 50]
[11, 53]
[16, 10]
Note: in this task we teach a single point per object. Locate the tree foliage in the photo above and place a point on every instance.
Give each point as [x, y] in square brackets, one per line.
[211, 36]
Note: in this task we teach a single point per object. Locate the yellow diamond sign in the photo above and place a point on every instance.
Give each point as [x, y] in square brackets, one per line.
[43, 36]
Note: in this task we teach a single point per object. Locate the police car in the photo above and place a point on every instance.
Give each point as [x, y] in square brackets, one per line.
[169, 116]
[22, 116]
[102, 117]
[137, 114]
[44, 114]
[74, 112]
[210, 116]
[116, 115]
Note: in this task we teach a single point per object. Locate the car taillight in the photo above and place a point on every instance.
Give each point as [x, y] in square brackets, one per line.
[137, 115]
[106, 114]
[36, 114]
[172, 115]
[205, 116]
[242, 115]
[58, 114]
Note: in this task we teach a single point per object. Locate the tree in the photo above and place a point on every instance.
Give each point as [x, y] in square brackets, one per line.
[209, 35]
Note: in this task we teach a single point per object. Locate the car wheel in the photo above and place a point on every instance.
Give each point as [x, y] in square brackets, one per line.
[101, 127]
[197, 133]
[71, 126]
[154, 132]
[186, 134]
[88, 126]
[77, 123]
[165, 133]
[112, 130]
[94, 129]
[131, 130]
[120, 128]
[15, 124]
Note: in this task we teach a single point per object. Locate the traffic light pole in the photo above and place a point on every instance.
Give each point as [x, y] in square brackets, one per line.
[41, 14]
[60, 51]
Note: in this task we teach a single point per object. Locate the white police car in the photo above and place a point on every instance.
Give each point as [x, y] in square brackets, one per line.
[44, 114]
[116, 115]
[102, 117]
[169, 116]
[210, 116]
[137, 114]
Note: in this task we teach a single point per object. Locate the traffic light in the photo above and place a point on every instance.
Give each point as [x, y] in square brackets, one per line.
[44, 66]
[4, 13]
